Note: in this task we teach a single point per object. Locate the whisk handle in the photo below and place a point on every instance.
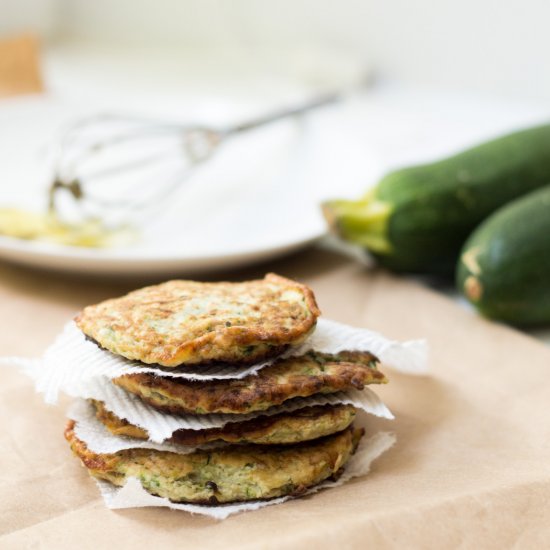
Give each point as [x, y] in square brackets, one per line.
[321, 101]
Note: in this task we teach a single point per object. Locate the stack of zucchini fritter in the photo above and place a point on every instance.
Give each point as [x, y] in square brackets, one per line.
[182, 324]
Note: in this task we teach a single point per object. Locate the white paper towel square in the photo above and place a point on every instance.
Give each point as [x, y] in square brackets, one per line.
[72, 360]
[160, 426]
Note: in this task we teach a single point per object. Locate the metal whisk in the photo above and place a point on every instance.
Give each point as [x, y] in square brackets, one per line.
[140, 162]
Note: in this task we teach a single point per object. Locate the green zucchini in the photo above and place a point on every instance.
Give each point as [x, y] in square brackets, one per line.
[416, 219]
[504, 267]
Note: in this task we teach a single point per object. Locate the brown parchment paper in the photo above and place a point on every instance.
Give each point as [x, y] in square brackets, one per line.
[471, 467]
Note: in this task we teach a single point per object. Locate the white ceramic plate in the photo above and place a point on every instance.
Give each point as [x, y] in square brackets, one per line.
[257, 199]
[253, 201]
[243, 207]
[141, 263]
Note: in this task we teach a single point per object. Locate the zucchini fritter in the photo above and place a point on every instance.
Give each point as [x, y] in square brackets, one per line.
[280, 429]
[189, 323]
[302, 376]
[230, 474]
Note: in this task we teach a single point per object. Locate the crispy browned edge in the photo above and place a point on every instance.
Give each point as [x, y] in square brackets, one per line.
[233, 432]
[98, 462]
[235, 397]
[309, 296]
[279, 339]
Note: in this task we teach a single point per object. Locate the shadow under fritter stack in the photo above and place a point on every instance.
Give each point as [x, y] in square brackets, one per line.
[184, 324]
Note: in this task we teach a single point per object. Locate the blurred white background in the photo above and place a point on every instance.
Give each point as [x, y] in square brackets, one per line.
[446, 75]
[486, 46]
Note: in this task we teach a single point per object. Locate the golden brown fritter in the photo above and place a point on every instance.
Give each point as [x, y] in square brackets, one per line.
[187, 322]
[229, 474]
[279, 429]
[301, 376]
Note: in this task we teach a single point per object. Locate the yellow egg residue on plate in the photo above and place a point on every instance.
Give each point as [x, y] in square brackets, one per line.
[36, 226]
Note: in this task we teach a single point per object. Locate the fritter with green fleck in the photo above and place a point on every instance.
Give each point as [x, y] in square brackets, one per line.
[279, 429]
[302, 376]
[229, 474]
[189, 323]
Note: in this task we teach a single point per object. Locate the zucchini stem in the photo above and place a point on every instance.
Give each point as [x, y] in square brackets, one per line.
[363, 222]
